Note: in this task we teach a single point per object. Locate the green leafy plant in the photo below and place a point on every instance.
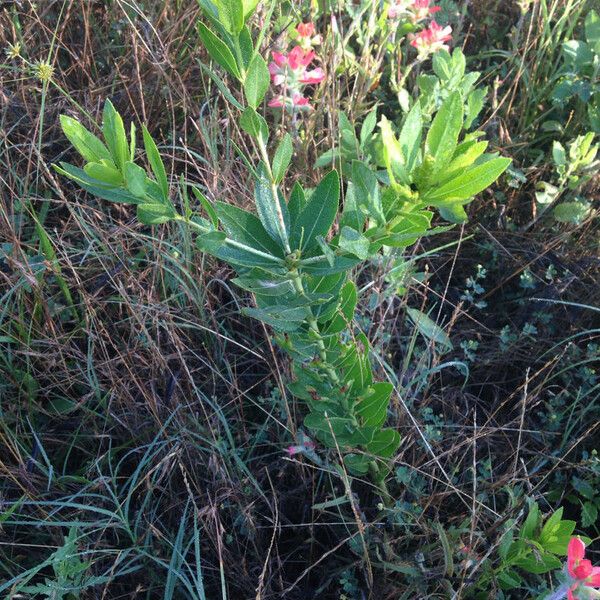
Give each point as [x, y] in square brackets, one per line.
[579, 78]
[295, 255]
[70, 573]
[536, 549]
[575, 167]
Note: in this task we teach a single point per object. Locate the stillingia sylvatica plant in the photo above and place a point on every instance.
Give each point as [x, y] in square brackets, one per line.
[296, 252]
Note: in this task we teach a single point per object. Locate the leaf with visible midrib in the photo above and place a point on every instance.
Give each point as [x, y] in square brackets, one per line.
[272, 211]
[442, 138]
[245, 227]
[319, 213]
[471, 182]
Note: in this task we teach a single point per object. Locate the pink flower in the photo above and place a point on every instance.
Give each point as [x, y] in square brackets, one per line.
[297, 100]
[432, 39]
[307, 446]
[416, 10]
[399, 8]
[306, 36]
[312, 77]
[291, 69]
[421, 10]
[299, 57]
[306, 30]
[580, 569]
[291, 72]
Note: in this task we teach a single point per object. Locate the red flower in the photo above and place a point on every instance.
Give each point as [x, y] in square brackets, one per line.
[416, 10]
[312, 77]
[305, 30]
[297, 100]
[306, 36]
[291, 69]
[580, 569]
[421, 10]
[432, 39]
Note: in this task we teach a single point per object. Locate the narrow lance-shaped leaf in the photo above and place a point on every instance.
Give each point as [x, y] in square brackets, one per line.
[442, 138]
[218, 50]
[86, 143]
[231, 14]
[318, 215]
[272, 211]
[114, 134]
[156, 163]
[469, 183]
[282, 157]
[410, 137]
[256, 82]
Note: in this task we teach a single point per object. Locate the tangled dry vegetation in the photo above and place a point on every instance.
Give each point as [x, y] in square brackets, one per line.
[142, 410]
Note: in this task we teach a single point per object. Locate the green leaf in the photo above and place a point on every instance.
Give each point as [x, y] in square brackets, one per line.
[272, 211]
[366, 190]
[352, 215]
[257, 81]
[466, 185]
[571, 212]
[475, 101]
[341, 427]
[559, 541]
[410, 137]
[373, 408]
[577, 54]
[281, 318]
[442, 137]
[207, 205]
[318, 215]
[453, 213]
[428, 328]
[466, 154]
[211, 242]
[392, 153]
[584, 488]
[135, 179]
[254, 124]
[353, 242]
[85, 142]
[249, 6]
[94, 186]
[246, 228]
[442, 64]
[114, 134]
[589, 514]
[104, 171]
[231, 15]
[282, 158]
[538, 564]
[345, 310]
[156, 163]
[218, 50]
[260, 285]
[592, 29]
[509, 580]
[132, 130]
[532, 522]
[341, 264]
[154, 214]
[367, 128]
[357, 464]
[297, 203]
[326, 249]
[385, 443]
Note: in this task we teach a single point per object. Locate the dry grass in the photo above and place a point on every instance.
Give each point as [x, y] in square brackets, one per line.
[143, 404]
